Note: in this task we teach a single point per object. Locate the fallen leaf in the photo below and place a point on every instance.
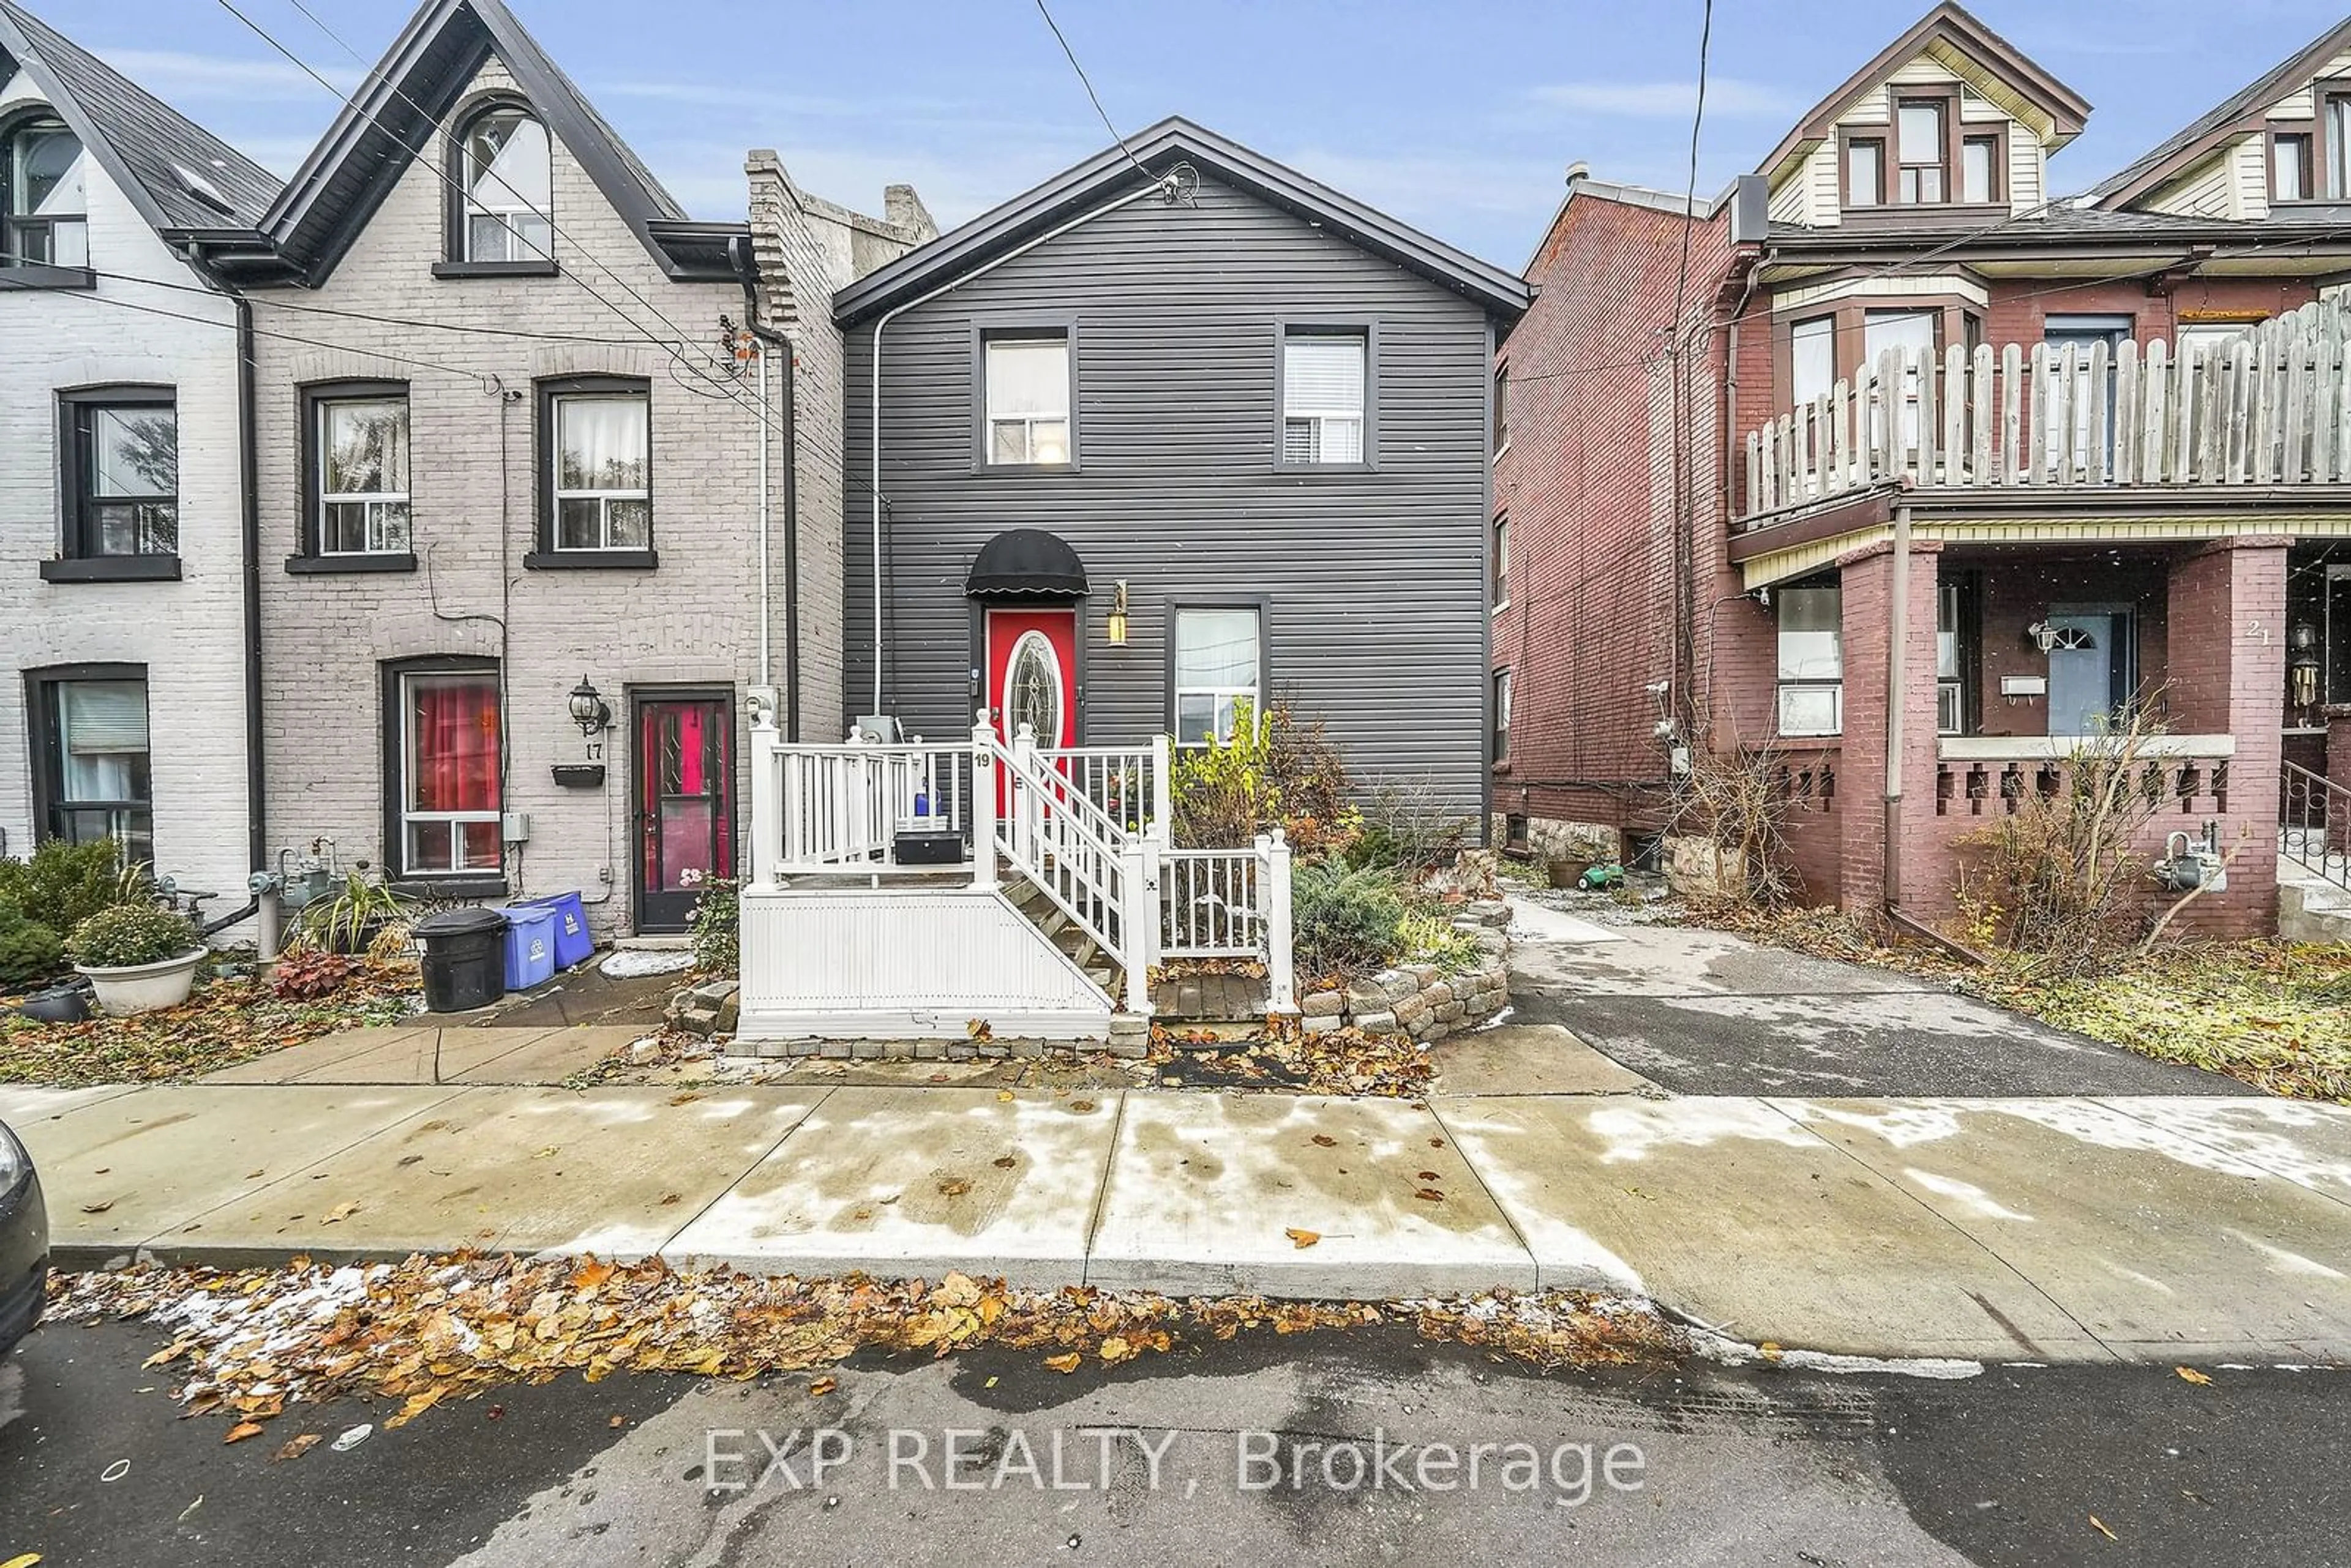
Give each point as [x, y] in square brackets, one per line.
[2100, 1526]
[1302, 1239]
[822, 1386]
[97, 1208]
[953, 1187]
[1116, 1349]
[977, 1029]
[669, 1197]
[617, 1422]
[1081, 1106]
[1323, 1140]
[1769, 1350]
[1006, 1163]
[590, 1275]
[1427, 1175]
[1004, 1094]
[26, 1561]
[241, 1430]
[2191, 1375]
[1429, 1195]
[688, 1097]
[1065, 1364]
[547, 1153]
[295, 1447]
[340, 1213]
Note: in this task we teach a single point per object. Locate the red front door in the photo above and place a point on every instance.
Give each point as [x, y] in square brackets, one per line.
[686, 804]
[1032, 673]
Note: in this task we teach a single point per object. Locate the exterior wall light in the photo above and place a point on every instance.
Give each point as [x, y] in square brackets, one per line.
[2043, 635]
[2302, 665]
[1118, 615]
[589, 710]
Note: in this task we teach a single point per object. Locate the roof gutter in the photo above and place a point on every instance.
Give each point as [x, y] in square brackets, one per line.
[1165, 186]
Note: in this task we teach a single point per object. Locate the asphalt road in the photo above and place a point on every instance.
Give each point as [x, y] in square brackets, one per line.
[1702, 1012]
[1247, 1453]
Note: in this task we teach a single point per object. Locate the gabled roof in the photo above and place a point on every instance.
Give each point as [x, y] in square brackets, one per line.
[1988, 62]
[163, 161]
[1172, 142]
[2241, 112]
[404, 100]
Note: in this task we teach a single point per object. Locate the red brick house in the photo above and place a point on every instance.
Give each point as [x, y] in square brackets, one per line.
[1889, 416]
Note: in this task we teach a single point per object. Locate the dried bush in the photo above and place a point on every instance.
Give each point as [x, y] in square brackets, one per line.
[1404, 827]
[2054, 879]
[1738, 801]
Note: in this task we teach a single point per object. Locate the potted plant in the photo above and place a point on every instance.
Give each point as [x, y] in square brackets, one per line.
[351, 922]
[140, 957]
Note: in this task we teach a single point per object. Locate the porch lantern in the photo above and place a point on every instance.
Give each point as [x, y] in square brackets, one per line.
[1118, 614]
[589, 710]
[2302, 665]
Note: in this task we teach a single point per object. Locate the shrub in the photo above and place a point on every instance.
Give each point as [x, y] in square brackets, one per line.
[715, 930]
[1427, 936]
[1344, 919]
[1273, 770]
[64, 884]
[29, 950]
[305, 975]
[1402, 828]
[128, 934]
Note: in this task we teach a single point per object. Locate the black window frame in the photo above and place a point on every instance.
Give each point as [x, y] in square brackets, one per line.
[1501, 436]
[1365, 327]
[391, 776]
[50, 804]
[1022, 329]
[545, 556]
[312, 557]
[77, 559]
[456, 258]
[35, 274]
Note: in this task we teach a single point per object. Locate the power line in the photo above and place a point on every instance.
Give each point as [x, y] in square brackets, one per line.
[1086, 83]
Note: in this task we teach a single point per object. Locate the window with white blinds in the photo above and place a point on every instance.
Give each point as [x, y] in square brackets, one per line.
[94, 781]
[1323, 377]
[1027, 400]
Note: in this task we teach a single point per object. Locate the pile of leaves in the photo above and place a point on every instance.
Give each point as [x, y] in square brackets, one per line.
[251, 1343]
[1337, 1061]
[226, 1021]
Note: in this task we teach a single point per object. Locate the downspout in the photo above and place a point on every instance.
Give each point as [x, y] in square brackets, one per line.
[1897, 643]
[256, 773]
[1166, 185]
[747, 269]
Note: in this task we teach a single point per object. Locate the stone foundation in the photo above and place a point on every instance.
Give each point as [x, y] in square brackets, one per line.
[1555, 837]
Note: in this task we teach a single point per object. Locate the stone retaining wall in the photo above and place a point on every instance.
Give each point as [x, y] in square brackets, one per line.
[1420, 1000]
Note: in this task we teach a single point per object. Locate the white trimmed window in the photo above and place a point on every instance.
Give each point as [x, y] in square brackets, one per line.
[603, 470]
[363, 475]
[1219, 673]
[1027, 381]
[450, 785]
[1501, 715]
[1811, 660]
[1324, 376]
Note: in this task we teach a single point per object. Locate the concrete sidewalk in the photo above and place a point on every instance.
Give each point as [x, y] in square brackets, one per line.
[2039, 1230]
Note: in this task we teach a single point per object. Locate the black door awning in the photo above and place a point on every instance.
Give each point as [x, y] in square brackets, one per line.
[1026, 563]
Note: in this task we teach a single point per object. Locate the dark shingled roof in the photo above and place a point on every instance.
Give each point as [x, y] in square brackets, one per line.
[142, 142]
[2243, 104]
[2062, 224]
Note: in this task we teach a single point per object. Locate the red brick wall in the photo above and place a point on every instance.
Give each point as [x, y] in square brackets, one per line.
[2016, 592]
[2020, 305]
[1588, 482]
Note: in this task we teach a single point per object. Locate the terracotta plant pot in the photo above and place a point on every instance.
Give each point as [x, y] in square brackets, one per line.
[1567, 873]
[143, 987]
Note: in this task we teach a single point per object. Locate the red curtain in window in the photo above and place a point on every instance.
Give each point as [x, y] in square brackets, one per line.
[456, 745]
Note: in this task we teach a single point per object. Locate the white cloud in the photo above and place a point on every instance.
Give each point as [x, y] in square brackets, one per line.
[1725, 96]
[171, 74]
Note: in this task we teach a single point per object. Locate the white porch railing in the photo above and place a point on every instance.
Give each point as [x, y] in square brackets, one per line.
[842, 807]
[1089, 826]
[2268, 407]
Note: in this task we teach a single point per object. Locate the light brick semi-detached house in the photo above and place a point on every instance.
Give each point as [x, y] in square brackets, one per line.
[2089, 453]
[521, 460]
[122, 611]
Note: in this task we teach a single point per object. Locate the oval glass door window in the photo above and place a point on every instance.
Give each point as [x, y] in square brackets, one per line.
[1032, 689]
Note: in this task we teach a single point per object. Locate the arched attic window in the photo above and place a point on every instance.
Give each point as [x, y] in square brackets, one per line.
[506, 189]
[44, 200]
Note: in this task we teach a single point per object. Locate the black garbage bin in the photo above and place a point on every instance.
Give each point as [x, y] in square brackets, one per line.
[463, 958]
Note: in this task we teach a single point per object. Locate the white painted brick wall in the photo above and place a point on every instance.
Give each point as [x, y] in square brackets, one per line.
[190, 634]
[693, 621]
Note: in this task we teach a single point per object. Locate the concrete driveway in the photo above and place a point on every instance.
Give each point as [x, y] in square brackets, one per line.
[1705, 1012]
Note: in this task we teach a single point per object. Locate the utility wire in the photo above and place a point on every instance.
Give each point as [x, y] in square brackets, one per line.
[1085, 82]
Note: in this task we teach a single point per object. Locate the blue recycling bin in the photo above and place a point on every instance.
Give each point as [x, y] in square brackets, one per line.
[572, 942]
[530, 946]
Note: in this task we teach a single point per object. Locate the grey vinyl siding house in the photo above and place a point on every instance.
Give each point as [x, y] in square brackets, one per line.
[1174, 292]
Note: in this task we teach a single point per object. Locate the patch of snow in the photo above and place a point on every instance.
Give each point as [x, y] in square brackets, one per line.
[635, 962]
[1729, 1352]
[1496, 1022]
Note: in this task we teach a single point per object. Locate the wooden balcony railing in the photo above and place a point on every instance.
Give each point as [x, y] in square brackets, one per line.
[2266, 407]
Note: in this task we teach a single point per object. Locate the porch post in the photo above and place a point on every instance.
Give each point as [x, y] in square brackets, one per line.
[983, 803]
[1273, 878]
[2225, 675]
[1138, 922]
[766, 806]
[1163, 785]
